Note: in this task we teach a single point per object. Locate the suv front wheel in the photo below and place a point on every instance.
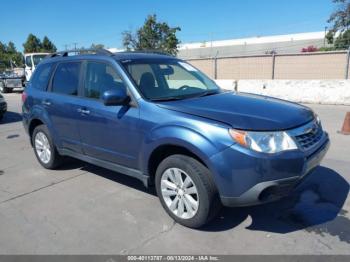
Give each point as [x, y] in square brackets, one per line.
[186, 190]
[44, 149]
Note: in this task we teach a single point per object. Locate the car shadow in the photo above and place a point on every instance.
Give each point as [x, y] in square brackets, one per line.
[317, 200]
[128, 181]
[11, 117]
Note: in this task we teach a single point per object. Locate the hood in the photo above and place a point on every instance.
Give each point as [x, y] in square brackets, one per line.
[245, 111]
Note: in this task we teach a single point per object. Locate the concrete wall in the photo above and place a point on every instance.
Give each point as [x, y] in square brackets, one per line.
[336, 92]
[259, 67]
[311, 66]
[318, 65]
[205, 65]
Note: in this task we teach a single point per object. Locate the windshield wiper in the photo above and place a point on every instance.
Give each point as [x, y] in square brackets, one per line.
[173, 98]
[208, 93]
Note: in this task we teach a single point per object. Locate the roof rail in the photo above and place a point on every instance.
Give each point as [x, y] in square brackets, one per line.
[148, 51]
[99, 51]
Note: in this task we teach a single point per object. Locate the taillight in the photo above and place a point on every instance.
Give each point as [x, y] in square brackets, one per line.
[24, 96]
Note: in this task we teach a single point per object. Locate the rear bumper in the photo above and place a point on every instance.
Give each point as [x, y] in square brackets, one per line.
[244, 179]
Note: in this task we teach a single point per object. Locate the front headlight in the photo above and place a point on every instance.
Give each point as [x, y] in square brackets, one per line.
[266, 142]
[317, 118]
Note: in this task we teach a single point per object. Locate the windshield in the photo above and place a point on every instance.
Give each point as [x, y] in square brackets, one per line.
[38, 58]
[169, 80]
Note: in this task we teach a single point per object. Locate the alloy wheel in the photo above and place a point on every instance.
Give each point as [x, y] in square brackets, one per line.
[179, 193]
[42, 147]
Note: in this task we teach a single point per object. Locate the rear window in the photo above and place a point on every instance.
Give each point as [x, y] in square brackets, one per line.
[66, 79]
[41, 77]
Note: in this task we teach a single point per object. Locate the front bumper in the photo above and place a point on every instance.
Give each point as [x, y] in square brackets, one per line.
[247, 178]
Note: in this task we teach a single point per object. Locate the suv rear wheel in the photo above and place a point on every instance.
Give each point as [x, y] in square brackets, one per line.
[44, 149]
[186, 191]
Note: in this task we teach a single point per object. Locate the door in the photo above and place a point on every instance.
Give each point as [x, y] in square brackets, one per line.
[109, 133]
[28, 67]
[62, 103]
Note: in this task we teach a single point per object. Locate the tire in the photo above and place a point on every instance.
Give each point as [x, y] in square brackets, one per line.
[196, 209]
[54, 159]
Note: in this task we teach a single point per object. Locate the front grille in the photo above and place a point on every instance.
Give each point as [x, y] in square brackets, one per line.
[311, 136]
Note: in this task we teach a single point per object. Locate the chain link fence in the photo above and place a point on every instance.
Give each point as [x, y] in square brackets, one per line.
[315, 65]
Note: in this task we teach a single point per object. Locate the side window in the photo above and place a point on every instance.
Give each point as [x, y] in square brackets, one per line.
[28, 61]
[99, 78]
[41, 77]
[66, 79]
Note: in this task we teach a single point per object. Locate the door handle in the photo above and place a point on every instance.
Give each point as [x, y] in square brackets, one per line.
[83, 111]
[46, 103]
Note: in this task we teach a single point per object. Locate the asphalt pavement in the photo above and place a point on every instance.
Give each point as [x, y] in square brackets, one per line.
[84, 209]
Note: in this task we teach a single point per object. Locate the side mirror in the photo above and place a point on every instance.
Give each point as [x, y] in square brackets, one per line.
[114, 97]
[167, 71]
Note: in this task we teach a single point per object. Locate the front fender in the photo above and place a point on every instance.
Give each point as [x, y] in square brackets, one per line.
[181, 136]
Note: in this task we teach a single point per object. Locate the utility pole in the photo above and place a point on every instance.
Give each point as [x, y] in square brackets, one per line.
[347, 64]
[75, 47]
[273, 53]
[216, 65]
[211, 44]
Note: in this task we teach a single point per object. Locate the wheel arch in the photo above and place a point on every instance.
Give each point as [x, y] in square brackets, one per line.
[33, 124]
[163, 151]
[173, 139]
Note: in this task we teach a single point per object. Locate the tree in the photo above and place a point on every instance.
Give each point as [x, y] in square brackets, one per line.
[340, 23]
[33, 44]
[9, 53]
[340, 19]
[343, 40]
[47, 45]
[11, 48]
[97, 46]
[153, 35]
[14, 55]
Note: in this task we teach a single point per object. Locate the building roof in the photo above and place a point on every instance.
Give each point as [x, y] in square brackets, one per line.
[290, 43]
[255, 40]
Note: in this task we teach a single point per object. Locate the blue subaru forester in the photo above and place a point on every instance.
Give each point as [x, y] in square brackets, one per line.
[159, 119]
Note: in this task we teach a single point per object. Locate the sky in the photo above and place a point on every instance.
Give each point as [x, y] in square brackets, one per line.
[102, 21]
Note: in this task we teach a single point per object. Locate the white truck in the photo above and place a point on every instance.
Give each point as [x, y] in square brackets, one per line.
[11, 78]
[31, 60]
